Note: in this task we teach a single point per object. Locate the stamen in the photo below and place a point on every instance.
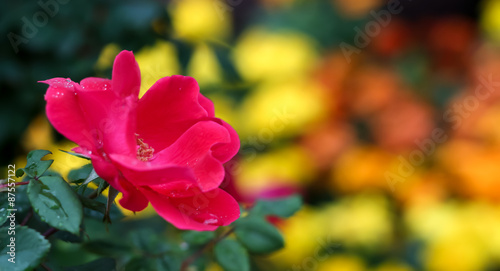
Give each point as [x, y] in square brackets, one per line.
[144, 152]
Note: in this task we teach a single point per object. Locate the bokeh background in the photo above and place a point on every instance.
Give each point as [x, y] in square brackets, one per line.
[384, 115]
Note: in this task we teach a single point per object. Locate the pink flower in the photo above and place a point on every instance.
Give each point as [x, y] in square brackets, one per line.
[166, 148]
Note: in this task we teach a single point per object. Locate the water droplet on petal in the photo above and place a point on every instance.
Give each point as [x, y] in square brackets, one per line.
[207, 219]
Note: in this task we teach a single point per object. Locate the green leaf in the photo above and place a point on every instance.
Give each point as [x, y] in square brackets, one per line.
[30, 248]
[166, 263]
[107, 248]
[231, 256]
[35, 166]
[4, 205]
[139, 264]
[96, 208]
[93, 204]
[56, 203]
[258, 236]
[163, 263]
[284, 207]
[81, 174]
[23, 204]
[76, 154]
[198, 237]
[103, 264]
[68, 237]
[19, 173]
[101, 185]
[92, 176]
[149, 241]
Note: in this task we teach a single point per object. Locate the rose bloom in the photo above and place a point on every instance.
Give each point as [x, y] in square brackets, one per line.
[166, 148]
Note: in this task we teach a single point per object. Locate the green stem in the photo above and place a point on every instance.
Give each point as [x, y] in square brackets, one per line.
[46, 267]
[49, 232]
[28, 217]
[19, 183]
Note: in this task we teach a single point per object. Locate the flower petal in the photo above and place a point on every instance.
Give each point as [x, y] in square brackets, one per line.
[192, 150]
[207, 104]
[111, 120]
[126, 75]
[176, 189]
[201, 212]
[225, 151]
[141, 173]
[168, 109]
[105, 169]
[64, 112]
[132, 199]
[94, 83]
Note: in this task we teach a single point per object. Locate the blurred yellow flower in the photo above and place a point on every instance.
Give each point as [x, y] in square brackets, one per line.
[305, 238]
[155, 62]
[459, 235]
[344, 263]
[457, 253]
[261, 54]
[38, 135]
[490, 18]
[199, 20]
[361, 221]
[107, 56]
[225, 108]
[483, 221]
[204, 66]
[431, 221]
[393, 266]
[282, 109]
[288, 167]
